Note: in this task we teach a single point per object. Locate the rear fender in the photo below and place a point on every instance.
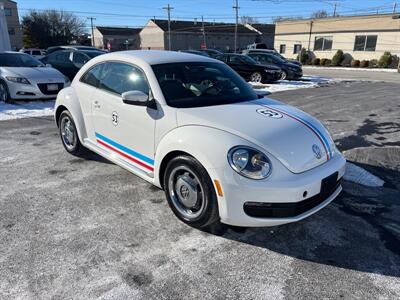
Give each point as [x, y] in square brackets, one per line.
[67, 99]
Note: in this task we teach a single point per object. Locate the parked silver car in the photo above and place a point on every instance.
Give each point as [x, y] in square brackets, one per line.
[24, 77]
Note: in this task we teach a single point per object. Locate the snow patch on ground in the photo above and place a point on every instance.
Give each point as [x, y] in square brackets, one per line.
[361, 176]
[286, 85]
[9, 111]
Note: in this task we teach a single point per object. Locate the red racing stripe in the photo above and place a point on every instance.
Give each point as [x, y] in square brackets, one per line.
[138, 162]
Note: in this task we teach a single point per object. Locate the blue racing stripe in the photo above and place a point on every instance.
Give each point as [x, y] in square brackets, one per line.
[125, 149]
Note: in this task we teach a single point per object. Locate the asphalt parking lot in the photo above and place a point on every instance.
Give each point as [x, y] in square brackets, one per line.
[74, 228]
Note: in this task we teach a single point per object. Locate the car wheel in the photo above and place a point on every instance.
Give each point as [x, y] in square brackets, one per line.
[69, 134]
[190, 192]
[4, 94]
[284, 75]
[256, 77]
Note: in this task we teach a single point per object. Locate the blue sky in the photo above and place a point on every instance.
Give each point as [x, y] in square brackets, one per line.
[135, 13]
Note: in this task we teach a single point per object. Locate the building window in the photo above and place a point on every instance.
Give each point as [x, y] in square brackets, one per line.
[282, 49]
[7, 12]
[323, 43]
[11, 31]
[365, 42]
[297, 48]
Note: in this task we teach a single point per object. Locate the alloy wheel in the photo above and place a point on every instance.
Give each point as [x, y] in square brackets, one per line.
[68, 133]
[256, 77]
[186, 192]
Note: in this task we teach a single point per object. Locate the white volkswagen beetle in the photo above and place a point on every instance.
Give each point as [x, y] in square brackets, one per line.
[191, 126]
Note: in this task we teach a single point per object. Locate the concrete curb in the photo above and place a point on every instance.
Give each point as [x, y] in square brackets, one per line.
[351, 69]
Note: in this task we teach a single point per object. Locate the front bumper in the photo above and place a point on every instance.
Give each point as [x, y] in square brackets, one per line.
[294, 74]
[33, 90]
[281, 189]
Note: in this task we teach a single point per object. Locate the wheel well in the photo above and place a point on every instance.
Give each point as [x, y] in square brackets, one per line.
[60, 109]
[167, 158]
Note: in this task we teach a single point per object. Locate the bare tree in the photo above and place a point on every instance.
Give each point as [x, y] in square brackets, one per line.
[50, 28]
[248, 20]
[319, 14]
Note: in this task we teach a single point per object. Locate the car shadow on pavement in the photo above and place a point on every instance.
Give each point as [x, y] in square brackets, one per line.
[359, 230]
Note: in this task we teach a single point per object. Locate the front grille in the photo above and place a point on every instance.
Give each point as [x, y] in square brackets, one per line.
[43, 88]
[286, 210]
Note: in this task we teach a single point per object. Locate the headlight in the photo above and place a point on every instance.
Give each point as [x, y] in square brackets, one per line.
[249, 162]
[18, 79]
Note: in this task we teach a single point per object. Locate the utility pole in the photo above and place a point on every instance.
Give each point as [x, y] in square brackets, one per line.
[394, 6]
[168, 9]
[204, 32]
[236, 8]
[91, 25]
[309, 36]
[334, 10]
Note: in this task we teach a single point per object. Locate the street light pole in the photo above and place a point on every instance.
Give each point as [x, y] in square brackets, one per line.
[204, 32]
[236, 8]
[168, 9]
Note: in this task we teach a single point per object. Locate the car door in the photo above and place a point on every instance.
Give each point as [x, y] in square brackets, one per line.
[126, 131]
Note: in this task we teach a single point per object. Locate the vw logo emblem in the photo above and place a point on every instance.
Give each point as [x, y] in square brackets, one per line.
[317, 151]
[184, 191]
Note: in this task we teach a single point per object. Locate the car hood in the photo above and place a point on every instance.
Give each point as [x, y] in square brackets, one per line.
[292, 65]
[296, 139]
[40, 74]
[295, 62]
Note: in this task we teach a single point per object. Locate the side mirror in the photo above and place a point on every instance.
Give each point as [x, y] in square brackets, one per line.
[49, 66]
[135, 98]
[261, 94]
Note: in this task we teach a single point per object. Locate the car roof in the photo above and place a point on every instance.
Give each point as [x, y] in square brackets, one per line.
[154, 57]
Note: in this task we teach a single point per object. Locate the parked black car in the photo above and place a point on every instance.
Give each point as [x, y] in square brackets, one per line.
[211, 52]
[195, 52]
[75, 47]
[69, 61]
[290, 71]
[250, 69]
[274, 52]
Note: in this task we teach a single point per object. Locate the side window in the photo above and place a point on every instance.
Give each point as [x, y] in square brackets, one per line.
[27, 51]
[36, 52]
[222, 58]
[80, 58]
[119, 78]
[92, 77]
[235, 59]
[59, 56]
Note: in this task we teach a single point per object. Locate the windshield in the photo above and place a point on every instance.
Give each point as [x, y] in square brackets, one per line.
[19, 60]
[195, 84]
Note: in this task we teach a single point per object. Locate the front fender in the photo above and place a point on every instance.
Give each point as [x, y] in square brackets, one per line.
[208, 145]
[68, 99]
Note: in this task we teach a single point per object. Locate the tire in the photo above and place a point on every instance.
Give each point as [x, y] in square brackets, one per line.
[284, 75]
[256, 77]
[69, 134]
[4, 93]
[190, 192]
